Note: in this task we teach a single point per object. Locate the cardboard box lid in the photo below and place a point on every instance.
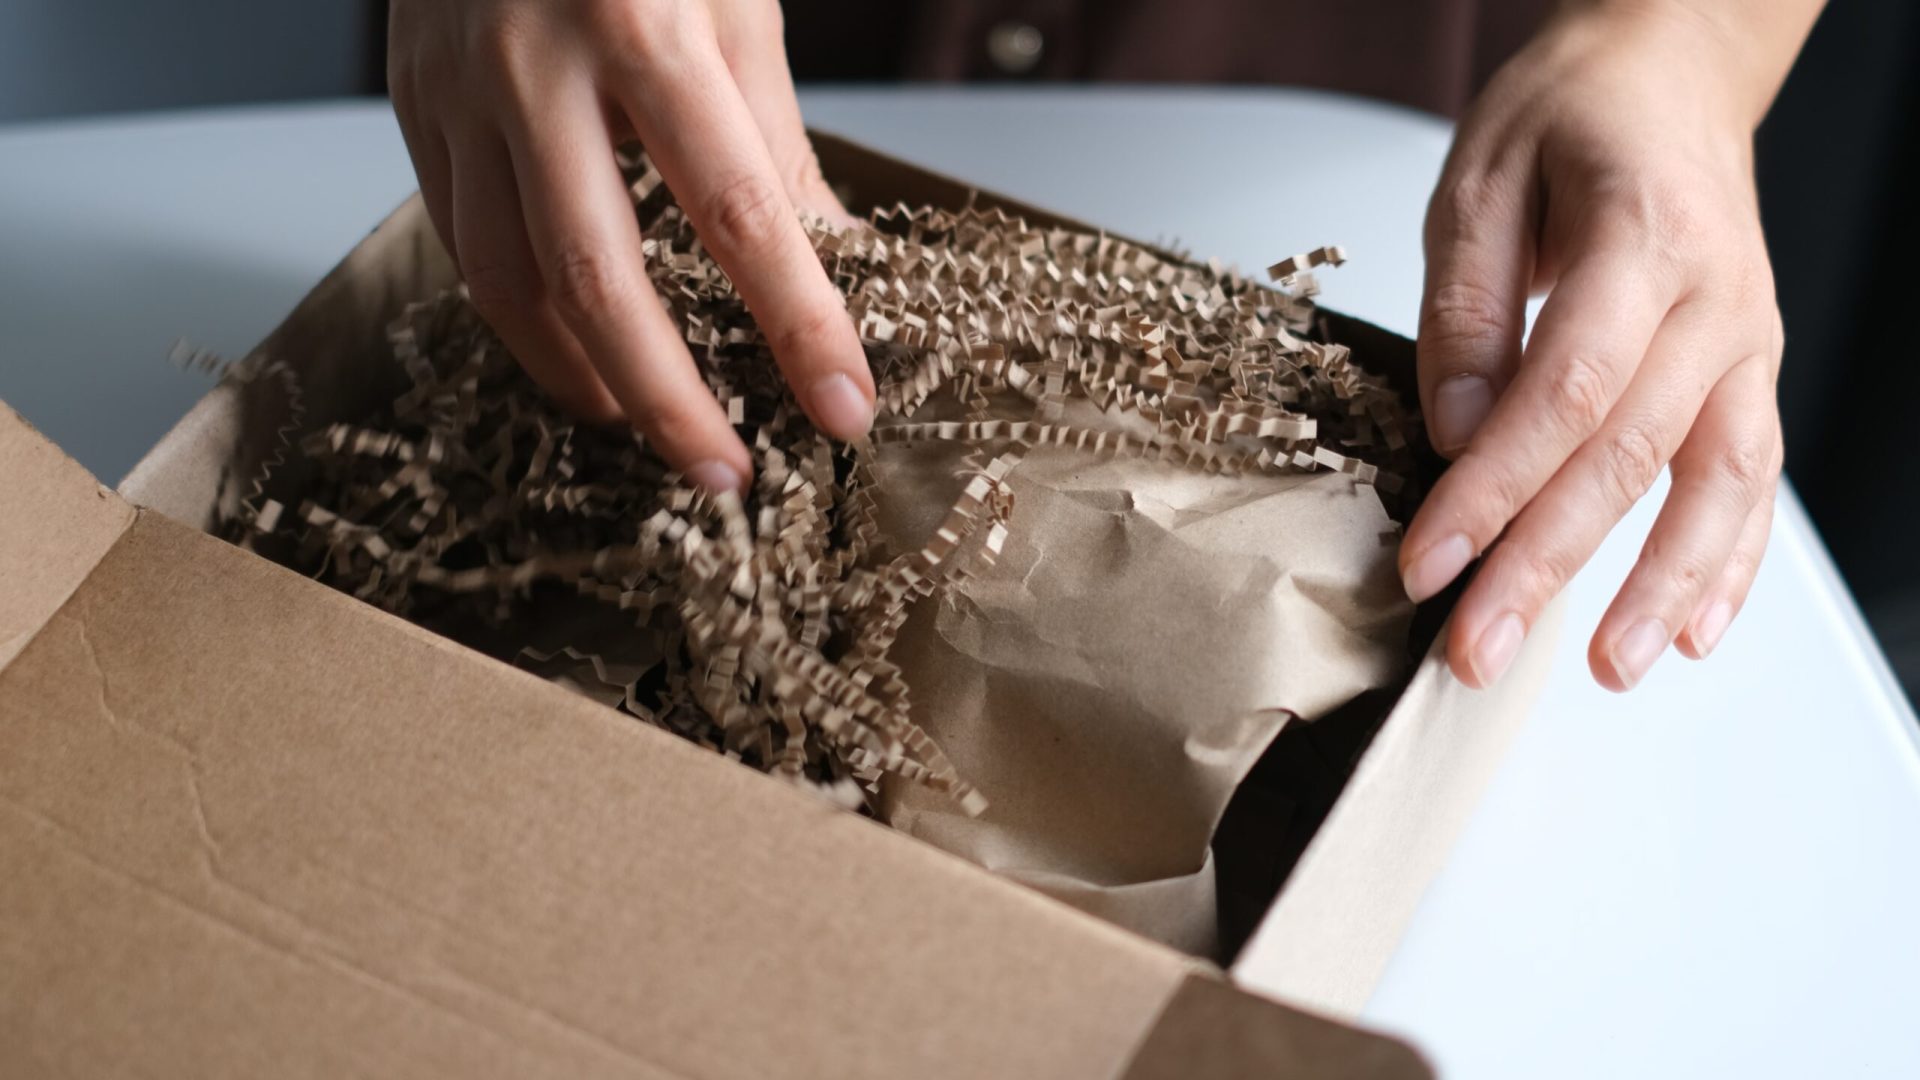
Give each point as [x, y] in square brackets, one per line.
[252, 826]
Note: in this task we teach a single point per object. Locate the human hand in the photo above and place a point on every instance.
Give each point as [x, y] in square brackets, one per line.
[510, 110]
[1609, 163]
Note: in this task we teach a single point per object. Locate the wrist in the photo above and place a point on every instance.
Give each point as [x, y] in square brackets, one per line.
[1745, 49]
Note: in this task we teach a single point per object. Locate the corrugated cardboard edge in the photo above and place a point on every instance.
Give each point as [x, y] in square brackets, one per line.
[1210, 1029]
[1326, 941]
[56, 524]
[399, 261]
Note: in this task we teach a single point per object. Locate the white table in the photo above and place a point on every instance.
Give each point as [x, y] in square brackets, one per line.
[1718, 875]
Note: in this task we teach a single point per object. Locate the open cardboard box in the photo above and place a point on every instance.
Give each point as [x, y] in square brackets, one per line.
[252, 826]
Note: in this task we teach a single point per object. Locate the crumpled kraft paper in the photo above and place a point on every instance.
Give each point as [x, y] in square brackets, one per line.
[1146, 632]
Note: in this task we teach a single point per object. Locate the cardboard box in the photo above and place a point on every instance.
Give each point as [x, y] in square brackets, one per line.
[252, 826]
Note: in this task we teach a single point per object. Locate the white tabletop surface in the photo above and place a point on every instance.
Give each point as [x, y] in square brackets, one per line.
[1718, 875]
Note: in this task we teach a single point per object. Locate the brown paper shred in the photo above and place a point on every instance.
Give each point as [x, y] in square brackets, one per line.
[1289, 268]
[760, 627]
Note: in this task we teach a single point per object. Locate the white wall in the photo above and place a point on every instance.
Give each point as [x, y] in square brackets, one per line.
[64, 57]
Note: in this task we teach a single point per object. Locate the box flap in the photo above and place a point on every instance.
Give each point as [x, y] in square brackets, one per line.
[56, 522]
[248, 820]
[1328, 938]
[209, 459]
[1211, 1029]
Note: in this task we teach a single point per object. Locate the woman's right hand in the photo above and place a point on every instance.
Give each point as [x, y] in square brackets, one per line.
[511, 109]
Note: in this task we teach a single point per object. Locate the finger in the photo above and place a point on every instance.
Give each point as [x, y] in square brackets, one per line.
[776, 111]
[1728, 597]
[1479, 244]
[1588, 342]
[713, 159]
[503, 280]
[580, 222]
[1724, 601]
[755, 52]
[1563, 526]
[1728, 463]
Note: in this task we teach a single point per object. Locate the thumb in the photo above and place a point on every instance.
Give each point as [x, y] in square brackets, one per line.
[1480, 245]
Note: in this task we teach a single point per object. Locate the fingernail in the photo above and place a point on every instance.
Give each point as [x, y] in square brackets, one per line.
[716, 476]
[1460, 403]
[1437, 566]
[1637, 649]
[1710, 626]
[839, 407]
[1497, 647]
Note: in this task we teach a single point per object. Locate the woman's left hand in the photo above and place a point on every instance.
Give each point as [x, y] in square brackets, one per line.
[1610, 163]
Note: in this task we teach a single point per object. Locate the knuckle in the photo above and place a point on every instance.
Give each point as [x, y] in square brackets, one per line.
[499, 43]
[624, 29]
[744, 216]
[1540, 572]
[1745, 466]
[1654, 207]
[498, 64]
[1682, 574]
[803, 173]
[1657, 219]
[1490, 486]
[1631, 459]
[1577, 393]
[1744, 562]
[648, 35]
[585, 283]
[1459, 207]
[812, 333]
[1462, 313]
[495, 286]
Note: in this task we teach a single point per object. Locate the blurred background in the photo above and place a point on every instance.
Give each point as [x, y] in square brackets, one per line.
[1839, 158]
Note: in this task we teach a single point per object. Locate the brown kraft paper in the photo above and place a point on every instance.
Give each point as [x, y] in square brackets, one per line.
[1145, 633]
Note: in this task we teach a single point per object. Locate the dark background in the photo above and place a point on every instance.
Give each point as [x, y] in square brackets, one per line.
[1839, 165]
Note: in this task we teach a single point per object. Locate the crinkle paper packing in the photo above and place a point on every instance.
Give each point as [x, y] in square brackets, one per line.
[1120, 520]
